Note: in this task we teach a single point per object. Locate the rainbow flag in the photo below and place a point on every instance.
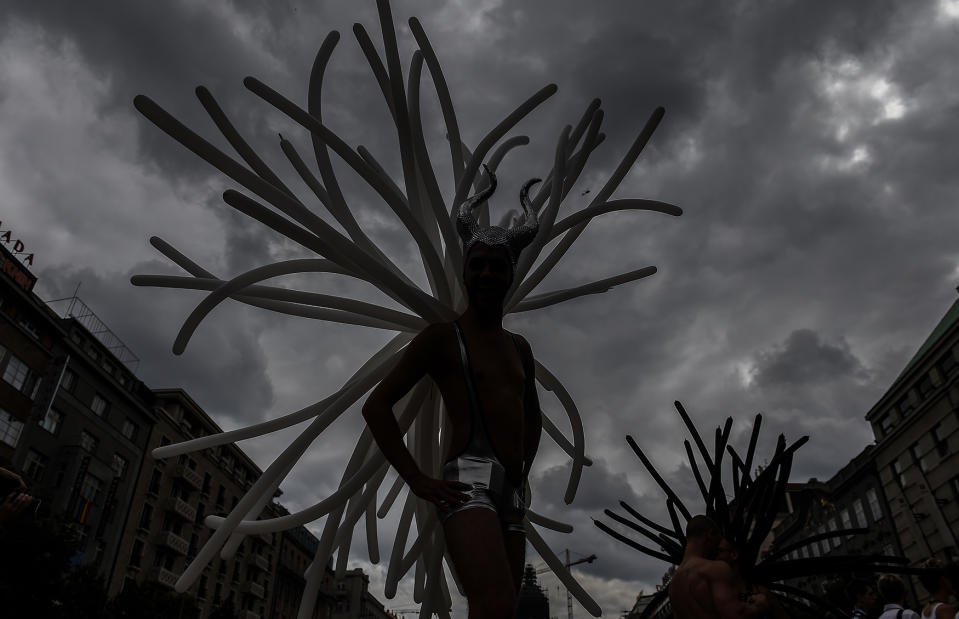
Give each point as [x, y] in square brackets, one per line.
[83, 510]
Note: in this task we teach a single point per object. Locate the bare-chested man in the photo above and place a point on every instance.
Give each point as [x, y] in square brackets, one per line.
[728, 553]
[703, 588]
[486, 377]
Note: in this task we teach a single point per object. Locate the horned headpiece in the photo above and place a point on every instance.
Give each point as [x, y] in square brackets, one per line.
[514, 239]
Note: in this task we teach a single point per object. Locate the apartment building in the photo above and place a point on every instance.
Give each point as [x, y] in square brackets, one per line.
[297, 549]
[354, 600]
[28, 335]
[916, 425]
[165, 529]
[852, 498]
[72, 416]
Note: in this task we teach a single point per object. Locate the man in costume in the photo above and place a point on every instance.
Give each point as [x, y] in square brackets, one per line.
[486, 376]
[705, 588]
[728, 553]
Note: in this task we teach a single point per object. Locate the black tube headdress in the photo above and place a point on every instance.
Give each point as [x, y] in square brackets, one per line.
[746, 520]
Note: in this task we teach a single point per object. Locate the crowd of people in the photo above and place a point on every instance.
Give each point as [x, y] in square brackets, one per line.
[887, 598]
[709, 584]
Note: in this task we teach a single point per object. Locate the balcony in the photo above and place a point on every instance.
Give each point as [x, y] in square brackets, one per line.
[254, 589]
[191, 477]
[261, 562]
[181, 508]
[173, 541]
[162, 576]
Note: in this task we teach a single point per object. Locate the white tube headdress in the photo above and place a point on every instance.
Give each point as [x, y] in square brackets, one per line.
[429, 220]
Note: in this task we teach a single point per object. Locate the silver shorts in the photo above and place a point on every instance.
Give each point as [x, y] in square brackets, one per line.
[490, 490]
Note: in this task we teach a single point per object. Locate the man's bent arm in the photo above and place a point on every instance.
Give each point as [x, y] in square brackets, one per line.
[378, 410]
[726, 599]
[533, 429]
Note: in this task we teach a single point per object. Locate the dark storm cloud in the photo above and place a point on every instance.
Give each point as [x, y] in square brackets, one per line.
[804, 358]
[231, 385]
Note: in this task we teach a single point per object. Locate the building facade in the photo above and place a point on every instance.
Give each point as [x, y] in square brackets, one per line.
[79, 426]
[916, 425]
[297, 549]
[166, 530]
[852, 498]
[28, 335]
[73, 418]
[353, 599]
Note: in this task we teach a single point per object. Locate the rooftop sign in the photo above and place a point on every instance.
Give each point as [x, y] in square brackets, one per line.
[11, 266]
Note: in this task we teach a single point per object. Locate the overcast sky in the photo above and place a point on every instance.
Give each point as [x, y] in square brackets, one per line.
[811, 147]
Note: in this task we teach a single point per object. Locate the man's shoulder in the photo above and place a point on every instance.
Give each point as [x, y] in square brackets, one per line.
[522, 343]
[434, 333]
[707, 567]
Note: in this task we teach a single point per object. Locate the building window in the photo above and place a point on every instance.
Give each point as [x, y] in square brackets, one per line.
[860, 513]
[874, 507]
[939, 437]
[51, 421]
[10, 428]
[88, 442]
[846, 520]
[925, 386]
[129, 429]
[897, 473]
[16, 373]
[206, 483]
[918, 458]
[35, 464]
[836, 541]
[119, 465]
[99, 405]
[886, 423]
[137, 554]
[947, 364]
[90, 490]
[824, 543]
[155, 481]
[905, 405]
[146, 516]
[68, 381]
[201, 590]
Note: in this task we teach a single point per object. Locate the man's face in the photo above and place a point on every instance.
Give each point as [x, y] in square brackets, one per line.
[711, 547]
[487, 275]
[726, 552]
[868, 599]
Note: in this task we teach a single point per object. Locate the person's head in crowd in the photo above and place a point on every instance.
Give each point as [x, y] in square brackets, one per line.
[892, 590]
[728, 552]
[703, 533]
[862, 594]
[935, 579]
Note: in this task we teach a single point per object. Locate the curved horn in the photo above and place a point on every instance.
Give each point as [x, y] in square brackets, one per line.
[523, 235]
[466, 221]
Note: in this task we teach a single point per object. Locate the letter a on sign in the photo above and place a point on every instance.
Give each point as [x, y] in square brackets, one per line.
[5, 236]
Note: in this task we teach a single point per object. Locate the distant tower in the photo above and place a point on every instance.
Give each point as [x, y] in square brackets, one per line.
[533, 603]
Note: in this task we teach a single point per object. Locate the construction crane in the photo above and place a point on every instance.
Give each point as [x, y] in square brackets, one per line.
[569, 564]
